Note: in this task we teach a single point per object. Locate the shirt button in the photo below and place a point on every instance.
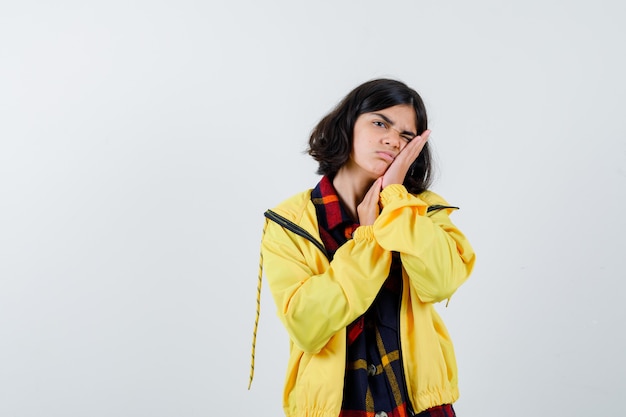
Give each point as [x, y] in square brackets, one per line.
[371, 370]
[381, 414]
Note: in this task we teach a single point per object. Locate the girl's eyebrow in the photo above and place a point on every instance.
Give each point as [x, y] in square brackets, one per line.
[392, 124]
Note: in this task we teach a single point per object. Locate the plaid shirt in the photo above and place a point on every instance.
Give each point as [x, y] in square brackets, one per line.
[374, 380]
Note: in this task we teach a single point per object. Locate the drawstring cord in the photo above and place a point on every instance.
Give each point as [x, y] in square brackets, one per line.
[258, 309]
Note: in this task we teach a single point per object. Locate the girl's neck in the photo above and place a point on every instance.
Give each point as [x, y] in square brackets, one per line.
[351, 189]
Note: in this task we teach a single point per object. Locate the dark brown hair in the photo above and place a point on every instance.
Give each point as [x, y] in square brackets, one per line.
[330, 143]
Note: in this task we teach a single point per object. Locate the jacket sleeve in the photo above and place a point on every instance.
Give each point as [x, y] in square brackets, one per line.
[435, 254]
[316, 299]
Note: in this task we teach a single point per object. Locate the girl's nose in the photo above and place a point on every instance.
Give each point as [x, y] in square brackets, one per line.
[393, 138]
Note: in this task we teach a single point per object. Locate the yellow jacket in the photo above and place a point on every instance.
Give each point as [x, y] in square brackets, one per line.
[316, 299]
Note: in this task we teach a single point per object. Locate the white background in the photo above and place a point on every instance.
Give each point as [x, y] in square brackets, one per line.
[141, 141]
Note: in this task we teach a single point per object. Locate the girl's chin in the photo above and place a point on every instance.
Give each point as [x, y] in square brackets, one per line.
[379, 171]
[372, 172]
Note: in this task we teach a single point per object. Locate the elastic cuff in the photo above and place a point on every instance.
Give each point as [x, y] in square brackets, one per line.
[391, 192]
[363, 233]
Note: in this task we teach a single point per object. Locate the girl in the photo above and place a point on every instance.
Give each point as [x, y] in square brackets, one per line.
[356, 264]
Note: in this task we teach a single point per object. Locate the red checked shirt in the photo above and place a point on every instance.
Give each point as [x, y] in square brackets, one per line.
[374, 379]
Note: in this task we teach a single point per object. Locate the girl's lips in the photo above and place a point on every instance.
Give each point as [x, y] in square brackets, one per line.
[386, 156]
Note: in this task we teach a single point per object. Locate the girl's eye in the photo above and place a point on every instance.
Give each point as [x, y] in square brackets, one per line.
[408, 138]
[378, 123]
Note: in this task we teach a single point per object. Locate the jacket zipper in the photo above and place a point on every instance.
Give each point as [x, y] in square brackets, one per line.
[439, 207]
[291, 226]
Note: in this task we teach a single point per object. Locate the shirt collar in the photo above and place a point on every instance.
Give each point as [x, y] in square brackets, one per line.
[325, 195]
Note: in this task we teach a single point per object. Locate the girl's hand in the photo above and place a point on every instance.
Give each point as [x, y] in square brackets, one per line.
[400, 166]
[368, 209]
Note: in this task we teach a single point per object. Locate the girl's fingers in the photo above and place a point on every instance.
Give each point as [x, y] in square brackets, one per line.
[367, 210]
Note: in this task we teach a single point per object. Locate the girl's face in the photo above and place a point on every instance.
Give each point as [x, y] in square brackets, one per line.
[379, 137]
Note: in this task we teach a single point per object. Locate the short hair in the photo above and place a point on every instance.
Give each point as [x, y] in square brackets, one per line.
[330, 143]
